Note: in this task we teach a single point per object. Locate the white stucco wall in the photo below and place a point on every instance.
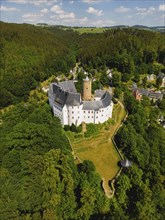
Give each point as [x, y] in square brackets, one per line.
[64, 115]
[58, 112]
[75, 115]
[88, 116]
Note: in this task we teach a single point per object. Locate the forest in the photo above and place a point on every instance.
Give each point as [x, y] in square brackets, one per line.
[39, 177]
[31, 54]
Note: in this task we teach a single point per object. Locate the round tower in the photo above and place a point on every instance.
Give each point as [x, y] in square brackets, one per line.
[87, 88]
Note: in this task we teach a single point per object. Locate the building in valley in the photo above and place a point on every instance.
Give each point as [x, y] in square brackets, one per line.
[70, 107]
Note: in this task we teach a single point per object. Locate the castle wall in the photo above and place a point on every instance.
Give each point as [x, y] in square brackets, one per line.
[57, 111]
[65, 115]
[75, 115]
[88, 116]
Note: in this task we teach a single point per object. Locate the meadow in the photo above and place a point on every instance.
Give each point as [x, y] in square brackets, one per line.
[100, 148]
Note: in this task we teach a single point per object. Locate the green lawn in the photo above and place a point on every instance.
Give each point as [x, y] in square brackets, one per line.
[99, 148]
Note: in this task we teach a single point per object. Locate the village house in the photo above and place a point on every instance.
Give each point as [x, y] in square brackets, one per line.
[139, 92]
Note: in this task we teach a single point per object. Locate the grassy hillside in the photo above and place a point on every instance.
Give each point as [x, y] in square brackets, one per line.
[99, 147]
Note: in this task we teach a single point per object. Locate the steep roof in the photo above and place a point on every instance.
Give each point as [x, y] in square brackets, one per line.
[63, 94]
[145, 92]
[99, 93]
[68, 86]
[96, 105]
[155, 95]
[64, 97]
[134, 87]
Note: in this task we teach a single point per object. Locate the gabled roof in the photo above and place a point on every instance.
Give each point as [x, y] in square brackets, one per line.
[143, 92]
[134, 87]
[155, 95]
[63, 97]
[73, 99]
[99, 93]
[68, 86]
[96, 105]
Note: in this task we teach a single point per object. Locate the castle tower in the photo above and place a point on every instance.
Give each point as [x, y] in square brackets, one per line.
[87, 88]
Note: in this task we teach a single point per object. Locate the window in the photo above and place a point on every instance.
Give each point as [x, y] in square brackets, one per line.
[72, 112]
[84, 111]
[78, 117]
[72, 117]
[88, 111]
[88, 117]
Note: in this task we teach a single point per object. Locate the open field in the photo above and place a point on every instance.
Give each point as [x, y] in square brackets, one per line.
[91, 30]
[99, 148]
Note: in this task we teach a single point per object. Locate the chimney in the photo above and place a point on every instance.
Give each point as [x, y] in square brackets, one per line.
[87, 88]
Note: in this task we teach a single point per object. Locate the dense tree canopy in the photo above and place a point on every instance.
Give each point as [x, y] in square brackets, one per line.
[39, 177]
[29, 54]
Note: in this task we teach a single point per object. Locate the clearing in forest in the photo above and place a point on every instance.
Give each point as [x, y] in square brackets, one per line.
[100, 148]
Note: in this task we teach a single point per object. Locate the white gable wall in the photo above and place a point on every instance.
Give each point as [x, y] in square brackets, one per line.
[75, 115]
[58, 112]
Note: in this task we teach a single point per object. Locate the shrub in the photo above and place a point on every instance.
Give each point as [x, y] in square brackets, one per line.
[91, 129]
[66, 127]
[73, 128]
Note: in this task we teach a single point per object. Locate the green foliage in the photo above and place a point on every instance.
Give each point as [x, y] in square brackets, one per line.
[39, 179]
[91, 129]
[79, 85]
[96, 85]
[73, 128]
[136, 78]
[159, 82]
[29, 55]
[116, 80]
[142, 140]
[66, 127]
[117, 92]
[146, 101]
[124, 49]
[161, 104]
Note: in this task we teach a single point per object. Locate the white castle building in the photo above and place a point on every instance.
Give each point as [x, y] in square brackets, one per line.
[70, 107]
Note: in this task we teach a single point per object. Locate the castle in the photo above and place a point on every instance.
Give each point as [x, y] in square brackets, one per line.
[71, 108]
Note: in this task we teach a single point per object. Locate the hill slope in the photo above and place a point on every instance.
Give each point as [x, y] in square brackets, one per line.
[29, 54]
